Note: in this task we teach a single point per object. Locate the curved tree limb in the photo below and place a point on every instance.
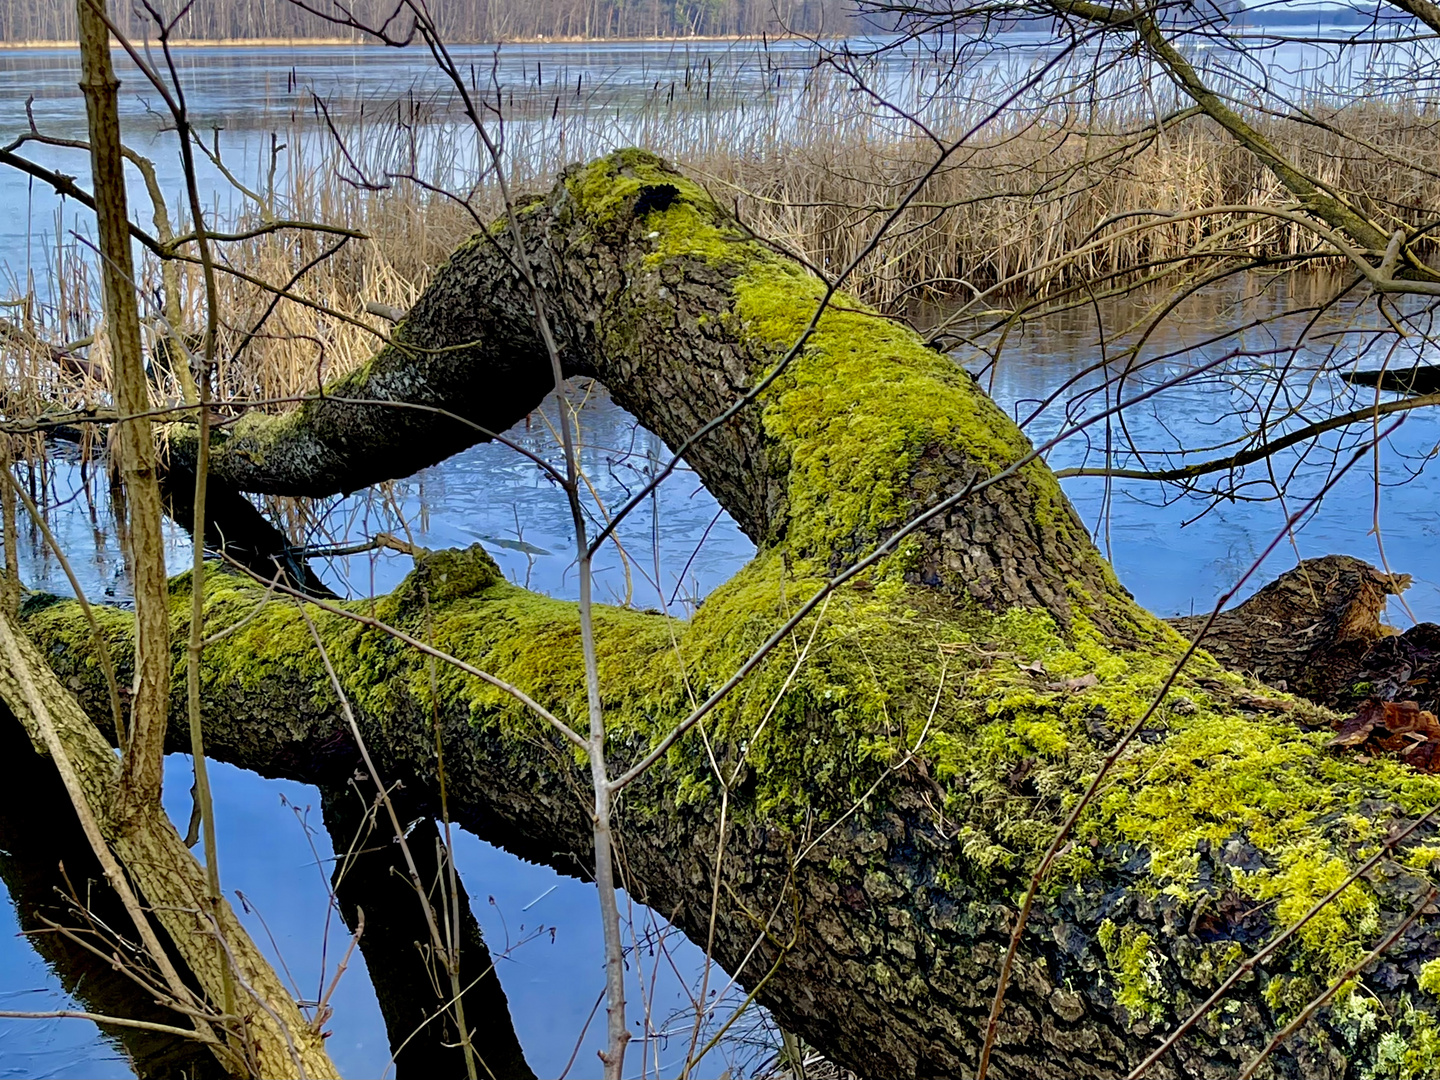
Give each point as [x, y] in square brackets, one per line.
[1241, 458]
[869, 906]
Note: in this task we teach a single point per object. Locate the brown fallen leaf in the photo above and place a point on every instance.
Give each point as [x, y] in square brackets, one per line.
[1355, 730]
[1399, 728]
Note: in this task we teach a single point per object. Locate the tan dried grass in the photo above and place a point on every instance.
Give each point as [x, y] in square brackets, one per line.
[1034, 204]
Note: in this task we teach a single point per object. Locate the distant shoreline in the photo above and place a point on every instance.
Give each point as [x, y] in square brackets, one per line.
[230, 43]
[186, 44]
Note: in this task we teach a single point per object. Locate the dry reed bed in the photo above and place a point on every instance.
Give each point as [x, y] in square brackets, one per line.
[1034, 203]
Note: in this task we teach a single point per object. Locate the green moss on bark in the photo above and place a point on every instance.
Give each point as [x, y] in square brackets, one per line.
[876, 672]
[1009, 713]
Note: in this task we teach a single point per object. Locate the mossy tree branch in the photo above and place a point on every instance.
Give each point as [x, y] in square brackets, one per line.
[635, 256]
[888, 788]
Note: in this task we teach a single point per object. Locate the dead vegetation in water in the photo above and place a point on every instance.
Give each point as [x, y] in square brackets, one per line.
[1037, 202]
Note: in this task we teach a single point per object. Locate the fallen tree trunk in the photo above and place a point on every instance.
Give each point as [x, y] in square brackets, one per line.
[1308, 631]
[411, 984]
[894, 769]
[1316, 631]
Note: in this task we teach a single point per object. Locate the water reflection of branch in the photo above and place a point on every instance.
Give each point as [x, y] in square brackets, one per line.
[445, 946]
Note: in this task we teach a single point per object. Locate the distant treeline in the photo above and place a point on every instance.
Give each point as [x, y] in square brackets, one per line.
[458, 20]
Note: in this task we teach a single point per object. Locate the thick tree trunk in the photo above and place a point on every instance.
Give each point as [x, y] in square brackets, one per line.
[895, 768]
[657, 294]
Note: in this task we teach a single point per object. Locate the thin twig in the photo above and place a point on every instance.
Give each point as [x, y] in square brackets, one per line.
[1344, 977]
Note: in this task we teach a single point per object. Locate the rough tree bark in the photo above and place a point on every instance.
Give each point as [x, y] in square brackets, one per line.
[995, 643]
[1308, 631]
[135, 444]
[45, 871]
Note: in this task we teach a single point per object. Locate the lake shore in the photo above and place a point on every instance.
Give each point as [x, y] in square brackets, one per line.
[270, 42]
